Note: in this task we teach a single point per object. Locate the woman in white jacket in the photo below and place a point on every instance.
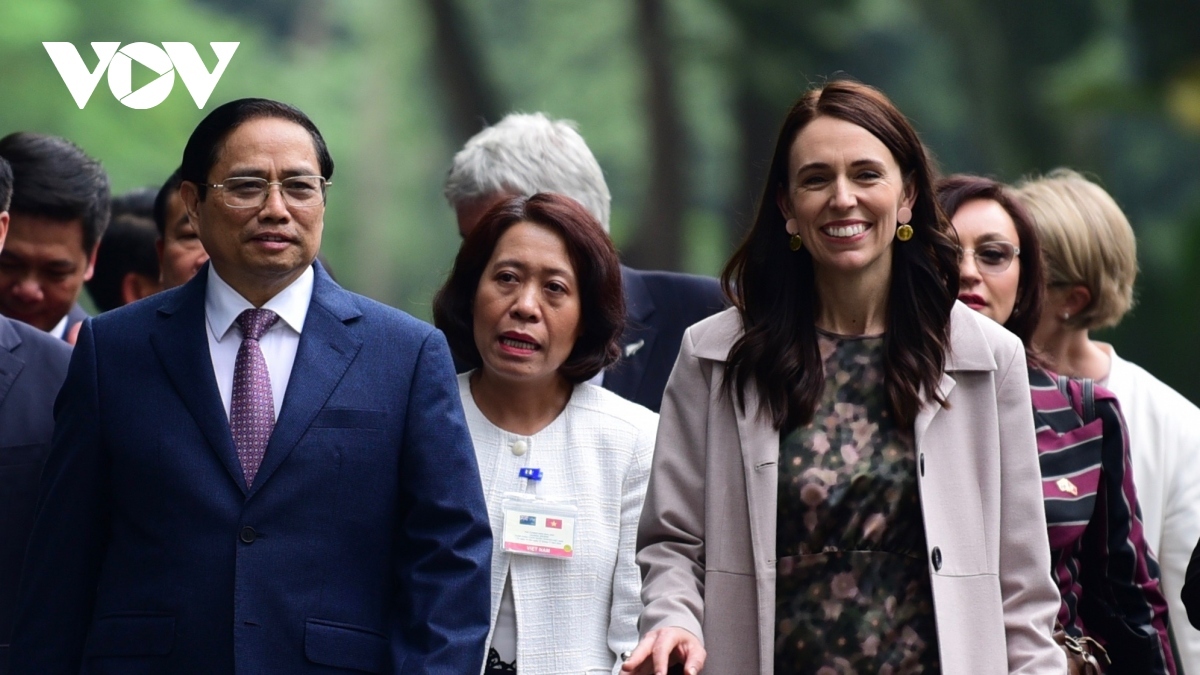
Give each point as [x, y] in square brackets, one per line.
[534, 304]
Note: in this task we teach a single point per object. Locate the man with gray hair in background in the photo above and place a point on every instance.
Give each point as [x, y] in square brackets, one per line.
[524, 154]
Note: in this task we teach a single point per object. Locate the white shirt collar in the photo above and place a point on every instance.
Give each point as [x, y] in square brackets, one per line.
[222, 304]
[60, 329]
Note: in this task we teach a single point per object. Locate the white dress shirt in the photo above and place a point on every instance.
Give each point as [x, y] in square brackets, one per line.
[60, 329]
[222, 305]
[1164, 441]
[576, 615]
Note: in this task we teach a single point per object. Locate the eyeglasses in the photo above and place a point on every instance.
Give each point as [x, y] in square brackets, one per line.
[993, 257]
[251, 193]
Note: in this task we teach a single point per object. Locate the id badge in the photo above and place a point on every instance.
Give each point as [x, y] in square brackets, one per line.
[539, 527]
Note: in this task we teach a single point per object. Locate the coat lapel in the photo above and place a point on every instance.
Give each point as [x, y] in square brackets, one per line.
[10, 364]
[327, 347]
[180, 340]
[969, 350]
[760, 463]
[930, 408]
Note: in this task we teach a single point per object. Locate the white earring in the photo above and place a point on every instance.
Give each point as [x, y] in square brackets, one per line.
[1066, 315]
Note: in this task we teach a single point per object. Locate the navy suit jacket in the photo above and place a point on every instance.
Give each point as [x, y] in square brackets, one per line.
[363, 545]
[32, 368]
[659, 306]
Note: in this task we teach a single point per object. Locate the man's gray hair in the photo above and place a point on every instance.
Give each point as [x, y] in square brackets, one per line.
[525, 154]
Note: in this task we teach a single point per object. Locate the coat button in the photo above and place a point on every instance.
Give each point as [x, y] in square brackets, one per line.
[937, 558]
[520, 448]
[247, 535]
[922, 463]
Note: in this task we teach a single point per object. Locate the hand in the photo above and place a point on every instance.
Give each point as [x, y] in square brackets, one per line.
[665, 647]
[73, 334]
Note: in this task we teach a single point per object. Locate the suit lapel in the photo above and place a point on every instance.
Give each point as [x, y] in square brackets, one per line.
[327, 347]
[10, 365]
[637, 342]
[180, 340]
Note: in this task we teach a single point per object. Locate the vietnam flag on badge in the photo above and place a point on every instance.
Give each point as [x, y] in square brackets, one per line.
[554, 523]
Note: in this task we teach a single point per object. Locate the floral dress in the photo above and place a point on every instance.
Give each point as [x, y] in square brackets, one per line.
[853, 592]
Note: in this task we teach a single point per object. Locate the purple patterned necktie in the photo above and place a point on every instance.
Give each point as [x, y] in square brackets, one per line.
[252, 408]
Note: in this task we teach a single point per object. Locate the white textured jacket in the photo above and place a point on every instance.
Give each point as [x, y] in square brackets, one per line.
[1164, 440]
[576, 615]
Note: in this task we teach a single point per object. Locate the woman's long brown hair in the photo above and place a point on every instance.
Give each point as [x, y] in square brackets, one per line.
[775, 291]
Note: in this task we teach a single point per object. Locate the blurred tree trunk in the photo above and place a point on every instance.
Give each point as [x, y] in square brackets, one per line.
[658, 242]
[758, 118]
[987, 79]
[470, 98]
[374, 270]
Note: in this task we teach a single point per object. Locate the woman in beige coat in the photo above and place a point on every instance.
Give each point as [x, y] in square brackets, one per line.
[846, 477]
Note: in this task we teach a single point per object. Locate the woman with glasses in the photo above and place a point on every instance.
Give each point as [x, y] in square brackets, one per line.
[1106, 574]
[846, 478]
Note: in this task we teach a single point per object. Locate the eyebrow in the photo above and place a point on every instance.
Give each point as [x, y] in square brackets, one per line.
[824, 165]
[252, 172]
[989, 237]
[525, 268]
[52, 265]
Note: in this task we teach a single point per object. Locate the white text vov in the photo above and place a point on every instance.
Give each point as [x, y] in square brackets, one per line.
[172, 57]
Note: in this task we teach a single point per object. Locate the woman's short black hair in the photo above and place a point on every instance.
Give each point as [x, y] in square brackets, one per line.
[596, 266]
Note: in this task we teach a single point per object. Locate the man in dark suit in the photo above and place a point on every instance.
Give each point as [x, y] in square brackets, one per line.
[32, 368]
[528, 153]
[183, 530]
[60, 208]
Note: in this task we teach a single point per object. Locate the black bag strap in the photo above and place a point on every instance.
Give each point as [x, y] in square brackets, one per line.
[1089, 395]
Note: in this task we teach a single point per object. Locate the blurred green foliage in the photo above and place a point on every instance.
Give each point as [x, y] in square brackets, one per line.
[1111, 87]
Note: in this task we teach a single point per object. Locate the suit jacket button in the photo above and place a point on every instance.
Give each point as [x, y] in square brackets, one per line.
[937, 558]
[248, 535]
[520, 448]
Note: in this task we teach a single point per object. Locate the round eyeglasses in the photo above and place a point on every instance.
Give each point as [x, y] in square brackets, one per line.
[251, 193]
[992, 257]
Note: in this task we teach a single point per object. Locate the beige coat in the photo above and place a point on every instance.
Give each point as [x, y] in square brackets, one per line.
[706, 541]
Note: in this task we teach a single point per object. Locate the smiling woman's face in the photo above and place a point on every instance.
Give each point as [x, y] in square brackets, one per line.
[844, 191]
[527, 309]
[986, 232]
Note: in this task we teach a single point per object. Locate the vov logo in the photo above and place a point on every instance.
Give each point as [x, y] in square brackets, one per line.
[172, 57]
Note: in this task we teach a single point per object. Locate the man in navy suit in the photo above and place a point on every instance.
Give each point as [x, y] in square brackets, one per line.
[528, 153]
[32, 368]
[182, 529]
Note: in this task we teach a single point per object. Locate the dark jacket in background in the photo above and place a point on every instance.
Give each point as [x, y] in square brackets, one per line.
[659, 306]
[32, 368]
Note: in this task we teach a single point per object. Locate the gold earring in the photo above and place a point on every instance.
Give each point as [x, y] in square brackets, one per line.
[793, 228]
[904, 232]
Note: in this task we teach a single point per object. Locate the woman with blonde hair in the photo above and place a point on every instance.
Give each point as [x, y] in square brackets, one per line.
[1090, 256]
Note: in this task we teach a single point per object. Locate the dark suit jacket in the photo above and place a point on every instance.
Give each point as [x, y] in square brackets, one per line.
[363, 545]
[32, 368]
[659, 306]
